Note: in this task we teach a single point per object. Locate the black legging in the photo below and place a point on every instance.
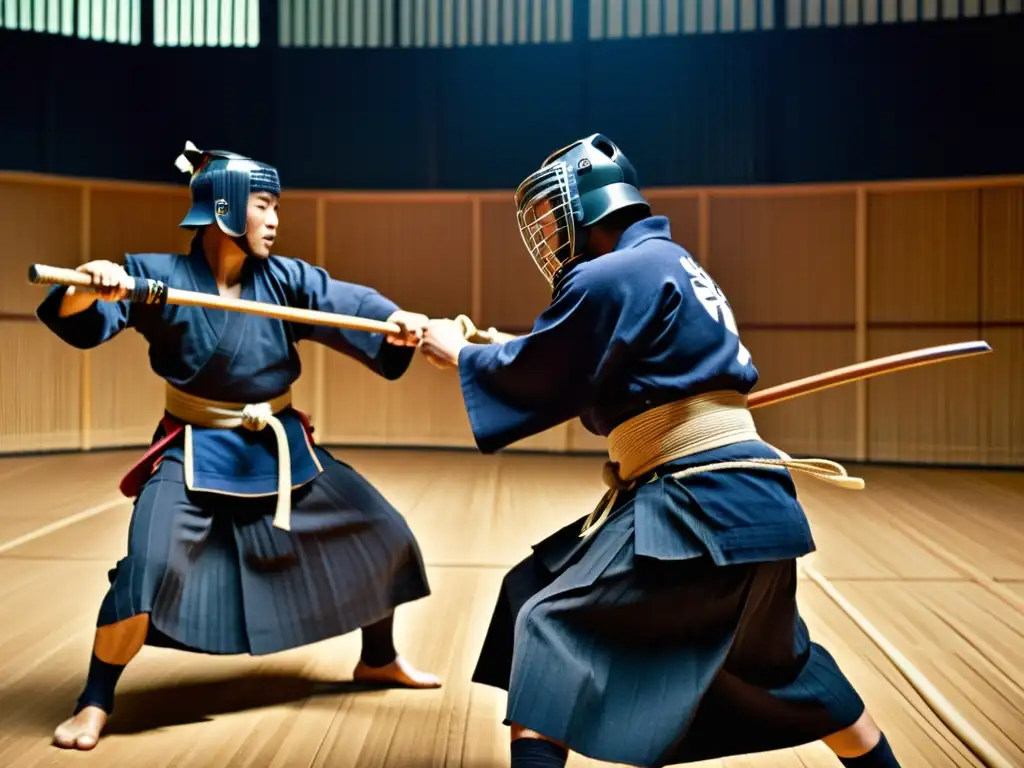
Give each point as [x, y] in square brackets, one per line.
[379, 643]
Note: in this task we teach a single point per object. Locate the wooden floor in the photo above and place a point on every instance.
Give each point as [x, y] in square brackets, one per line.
[934, 558]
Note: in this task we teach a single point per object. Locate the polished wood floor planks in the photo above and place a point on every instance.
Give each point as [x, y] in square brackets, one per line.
[934, 558]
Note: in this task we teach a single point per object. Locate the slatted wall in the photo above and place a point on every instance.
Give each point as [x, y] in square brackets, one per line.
[109, 21]
[206, 23]
[618, 19]
[818, 277]
[422, 23]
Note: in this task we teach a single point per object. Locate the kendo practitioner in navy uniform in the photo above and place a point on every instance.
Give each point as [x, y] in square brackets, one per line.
[246, 536]
[664, 627]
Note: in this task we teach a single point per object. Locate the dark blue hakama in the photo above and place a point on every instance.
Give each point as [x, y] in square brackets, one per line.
[217, 577]
[646, 646]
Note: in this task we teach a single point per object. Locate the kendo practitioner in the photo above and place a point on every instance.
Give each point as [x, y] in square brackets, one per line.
[663, 628]
[246, 536]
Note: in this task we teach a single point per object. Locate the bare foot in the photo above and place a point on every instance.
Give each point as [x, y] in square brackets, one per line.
[398, 672]
[81, 731]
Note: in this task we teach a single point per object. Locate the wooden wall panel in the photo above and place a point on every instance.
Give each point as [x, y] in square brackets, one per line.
[923, 252]
[40, 378]
[41, 225]
[424, 407]
[554, 440]
[683, 217]
[513, 291]
[415, 253]
[579, 440]
[1002, 255]
[785, 260]
[127, 398]
[938, 413]
[1002, 404]
[137, 221]
[822, 425]
[942, 264]
[355, 404]
[304, 391]
[296, 229]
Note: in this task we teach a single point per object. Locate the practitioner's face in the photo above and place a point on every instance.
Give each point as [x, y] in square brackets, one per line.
[547, 218]
[261, 223]
[547, 237]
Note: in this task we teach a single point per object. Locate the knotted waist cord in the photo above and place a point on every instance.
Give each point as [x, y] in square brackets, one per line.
[687, 427]
[215, 414]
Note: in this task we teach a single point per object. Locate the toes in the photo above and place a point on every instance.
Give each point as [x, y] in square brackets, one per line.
[423, 680]
[397, 673]
[82, 731]
[75, 739]
[413, 678]
[87, 741]
[417, 677]
[63, 738]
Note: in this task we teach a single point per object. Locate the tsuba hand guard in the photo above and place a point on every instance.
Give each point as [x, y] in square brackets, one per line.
[147, 291]
[474, 335]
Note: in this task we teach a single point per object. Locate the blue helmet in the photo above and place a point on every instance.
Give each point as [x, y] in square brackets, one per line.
[574, 189]
[221, 184]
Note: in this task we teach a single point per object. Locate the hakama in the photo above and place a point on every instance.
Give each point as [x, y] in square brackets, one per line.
[636, 646]
[217, 577]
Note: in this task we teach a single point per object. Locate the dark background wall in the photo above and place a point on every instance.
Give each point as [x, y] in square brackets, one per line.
[937, 99]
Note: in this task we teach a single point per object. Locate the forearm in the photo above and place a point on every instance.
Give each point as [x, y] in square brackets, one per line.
[75, 302]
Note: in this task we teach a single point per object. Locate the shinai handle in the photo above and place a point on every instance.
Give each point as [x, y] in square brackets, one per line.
[150, 291]
[41, 274]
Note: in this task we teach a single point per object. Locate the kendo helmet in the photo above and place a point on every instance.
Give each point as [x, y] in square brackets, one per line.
[575, 188]
[221, 184]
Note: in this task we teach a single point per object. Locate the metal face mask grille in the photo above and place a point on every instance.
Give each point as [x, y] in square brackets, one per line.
[544, 208]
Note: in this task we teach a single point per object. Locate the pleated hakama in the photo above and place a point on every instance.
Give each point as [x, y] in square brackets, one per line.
[652, 661]
[216, 577]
